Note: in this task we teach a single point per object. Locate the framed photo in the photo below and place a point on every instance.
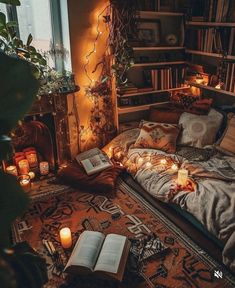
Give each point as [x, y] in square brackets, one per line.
[149, 32]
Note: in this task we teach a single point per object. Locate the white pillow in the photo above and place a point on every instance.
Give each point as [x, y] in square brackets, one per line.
[199, 130]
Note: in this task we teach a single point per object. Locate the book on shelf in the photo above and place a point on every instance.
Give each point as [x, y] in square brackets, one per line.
[228, 78]
[105, 256]
[167, 78]
[94, 161]
[213, 11]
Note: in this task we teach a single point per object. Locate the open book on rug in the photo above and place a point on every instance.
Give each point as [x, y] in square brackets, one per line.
[93, 161]
[104, 255]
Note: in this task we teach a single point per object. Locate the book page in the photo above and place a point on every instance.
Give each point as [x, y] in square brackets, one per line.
[111, 253]
[86, 250]
[95, 163]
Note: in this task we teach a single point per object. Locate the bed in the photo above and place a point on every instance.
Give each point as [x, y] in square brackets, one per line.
[208, 200]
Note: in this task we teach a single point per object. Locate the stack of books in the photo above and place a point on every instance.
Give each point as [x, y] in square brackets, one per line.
[129, 88]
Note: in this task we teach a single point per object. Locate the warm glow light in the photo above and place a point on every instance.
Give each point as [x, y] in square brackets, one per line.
[148, 165]
[66, 237]
[182, 177]
[140, 161]
[174, 167]
[218, 86]
[12, 170]
[163, 161]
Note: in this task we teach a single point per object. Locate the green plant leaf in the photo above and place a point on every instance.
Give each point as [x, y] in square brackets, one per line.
[11, 2]
[12, 24]
[29, 40]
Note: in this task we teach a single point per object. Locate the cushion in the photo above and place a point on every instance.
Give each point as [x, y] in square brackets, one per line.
[161, 136]
[199, 130]
[226, 143]
[165, 115]
[103, 182]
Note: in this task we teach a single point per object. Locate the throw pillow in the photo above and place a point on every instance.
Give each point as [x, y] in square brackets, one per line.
[165, 115]
[161, 136]
[103, 182]
[199, 130]
[226, 143]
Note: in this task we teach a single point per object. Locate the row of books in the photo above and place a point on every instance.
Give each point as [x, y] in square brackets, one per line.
[212, 40]
[229, 78]
[167, 78]
[158, 5]
[213, 10]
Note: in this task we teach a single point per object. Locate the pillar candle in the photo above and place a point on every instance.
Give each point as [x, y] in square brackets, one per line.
[44, 168]
[182, 177]
[12, 170]
[32, 159]
[66, 237]
[23, 166]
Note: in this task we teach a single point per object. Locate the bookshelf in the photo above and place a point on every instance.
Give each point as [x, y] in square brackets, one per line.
[166, 54]
[210, 45]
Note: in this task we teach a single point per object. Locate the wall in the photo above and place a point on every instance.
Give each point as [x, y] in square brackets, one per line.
[82, 22]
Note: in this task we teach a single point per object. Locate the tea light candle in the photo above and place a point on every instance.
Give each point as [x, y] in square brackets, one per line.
[174, 167]
[32, 159]
[23, 166]
[66, 237]
[12, 170]
[182, 177]
[44, 168]
[25, 182]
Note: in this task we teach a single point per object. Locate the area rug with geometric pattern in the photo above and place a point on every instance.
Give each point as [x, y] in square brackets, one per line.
[184, 265]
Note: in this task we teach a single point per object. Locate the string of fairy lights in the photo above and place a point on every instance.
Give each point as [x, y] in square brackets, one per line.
[93, 51]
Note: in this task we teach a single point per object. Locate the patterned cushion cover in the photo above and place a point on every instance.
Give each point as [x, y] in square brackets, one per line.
[199, 130]
[159, 136]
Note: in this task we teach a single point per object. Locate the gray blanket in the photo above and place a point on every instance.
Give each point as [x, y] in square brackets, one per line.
[212, 199]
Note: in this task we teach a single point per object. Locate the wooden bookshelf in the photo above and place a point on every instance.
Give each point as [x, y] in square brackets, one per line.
[158, 64]
[156, 14]
[210, 24]
[196, 52]
[131, 109]
[153, 92]
[159, 48]
[211, 89]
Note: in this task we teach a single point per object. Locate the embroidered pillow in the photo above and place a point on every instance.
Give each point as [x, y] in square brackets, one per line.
[199, 130]
[226, 143]
[159, 136]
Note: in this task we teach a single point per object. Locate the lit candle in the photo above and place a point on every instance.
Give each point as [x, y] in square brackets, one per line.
[66, 237]
[31, 175]
[25, 182]
[182, 177]
[23, 166]
[32, 159]
[44, 168]
[12, 170]
[174, 167]
[110, 152]
[163, 162]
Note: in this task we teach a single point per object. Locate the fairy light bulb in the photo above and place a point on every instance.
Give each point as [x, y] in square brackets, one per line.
[148, 165]
[140, 161]
[163, 161]
[174, 167]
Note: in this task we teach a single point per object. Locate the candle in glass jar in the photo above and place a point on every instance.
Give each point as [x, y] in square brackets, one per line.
[32, 159]
[12, 170]
[23, 166]
[44, 168]
[66, 237]
[182, 177]
[25, 182]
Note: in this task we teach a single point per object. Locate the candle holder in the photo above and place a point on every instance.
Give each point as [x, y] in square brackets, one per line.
[25, 182]
[44, 168]
[12, 170]
[23, 166]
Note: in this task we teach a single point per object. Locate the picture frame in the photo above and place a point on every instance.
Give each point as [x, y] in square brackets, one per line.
[149, 32]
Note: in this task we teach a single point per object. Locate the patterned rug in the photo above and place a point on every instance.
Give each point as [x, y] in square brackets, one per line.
[185, 265]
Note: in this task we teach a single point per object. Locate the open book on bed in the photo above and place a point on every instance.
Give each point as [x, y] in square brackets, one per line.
[103, 255]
